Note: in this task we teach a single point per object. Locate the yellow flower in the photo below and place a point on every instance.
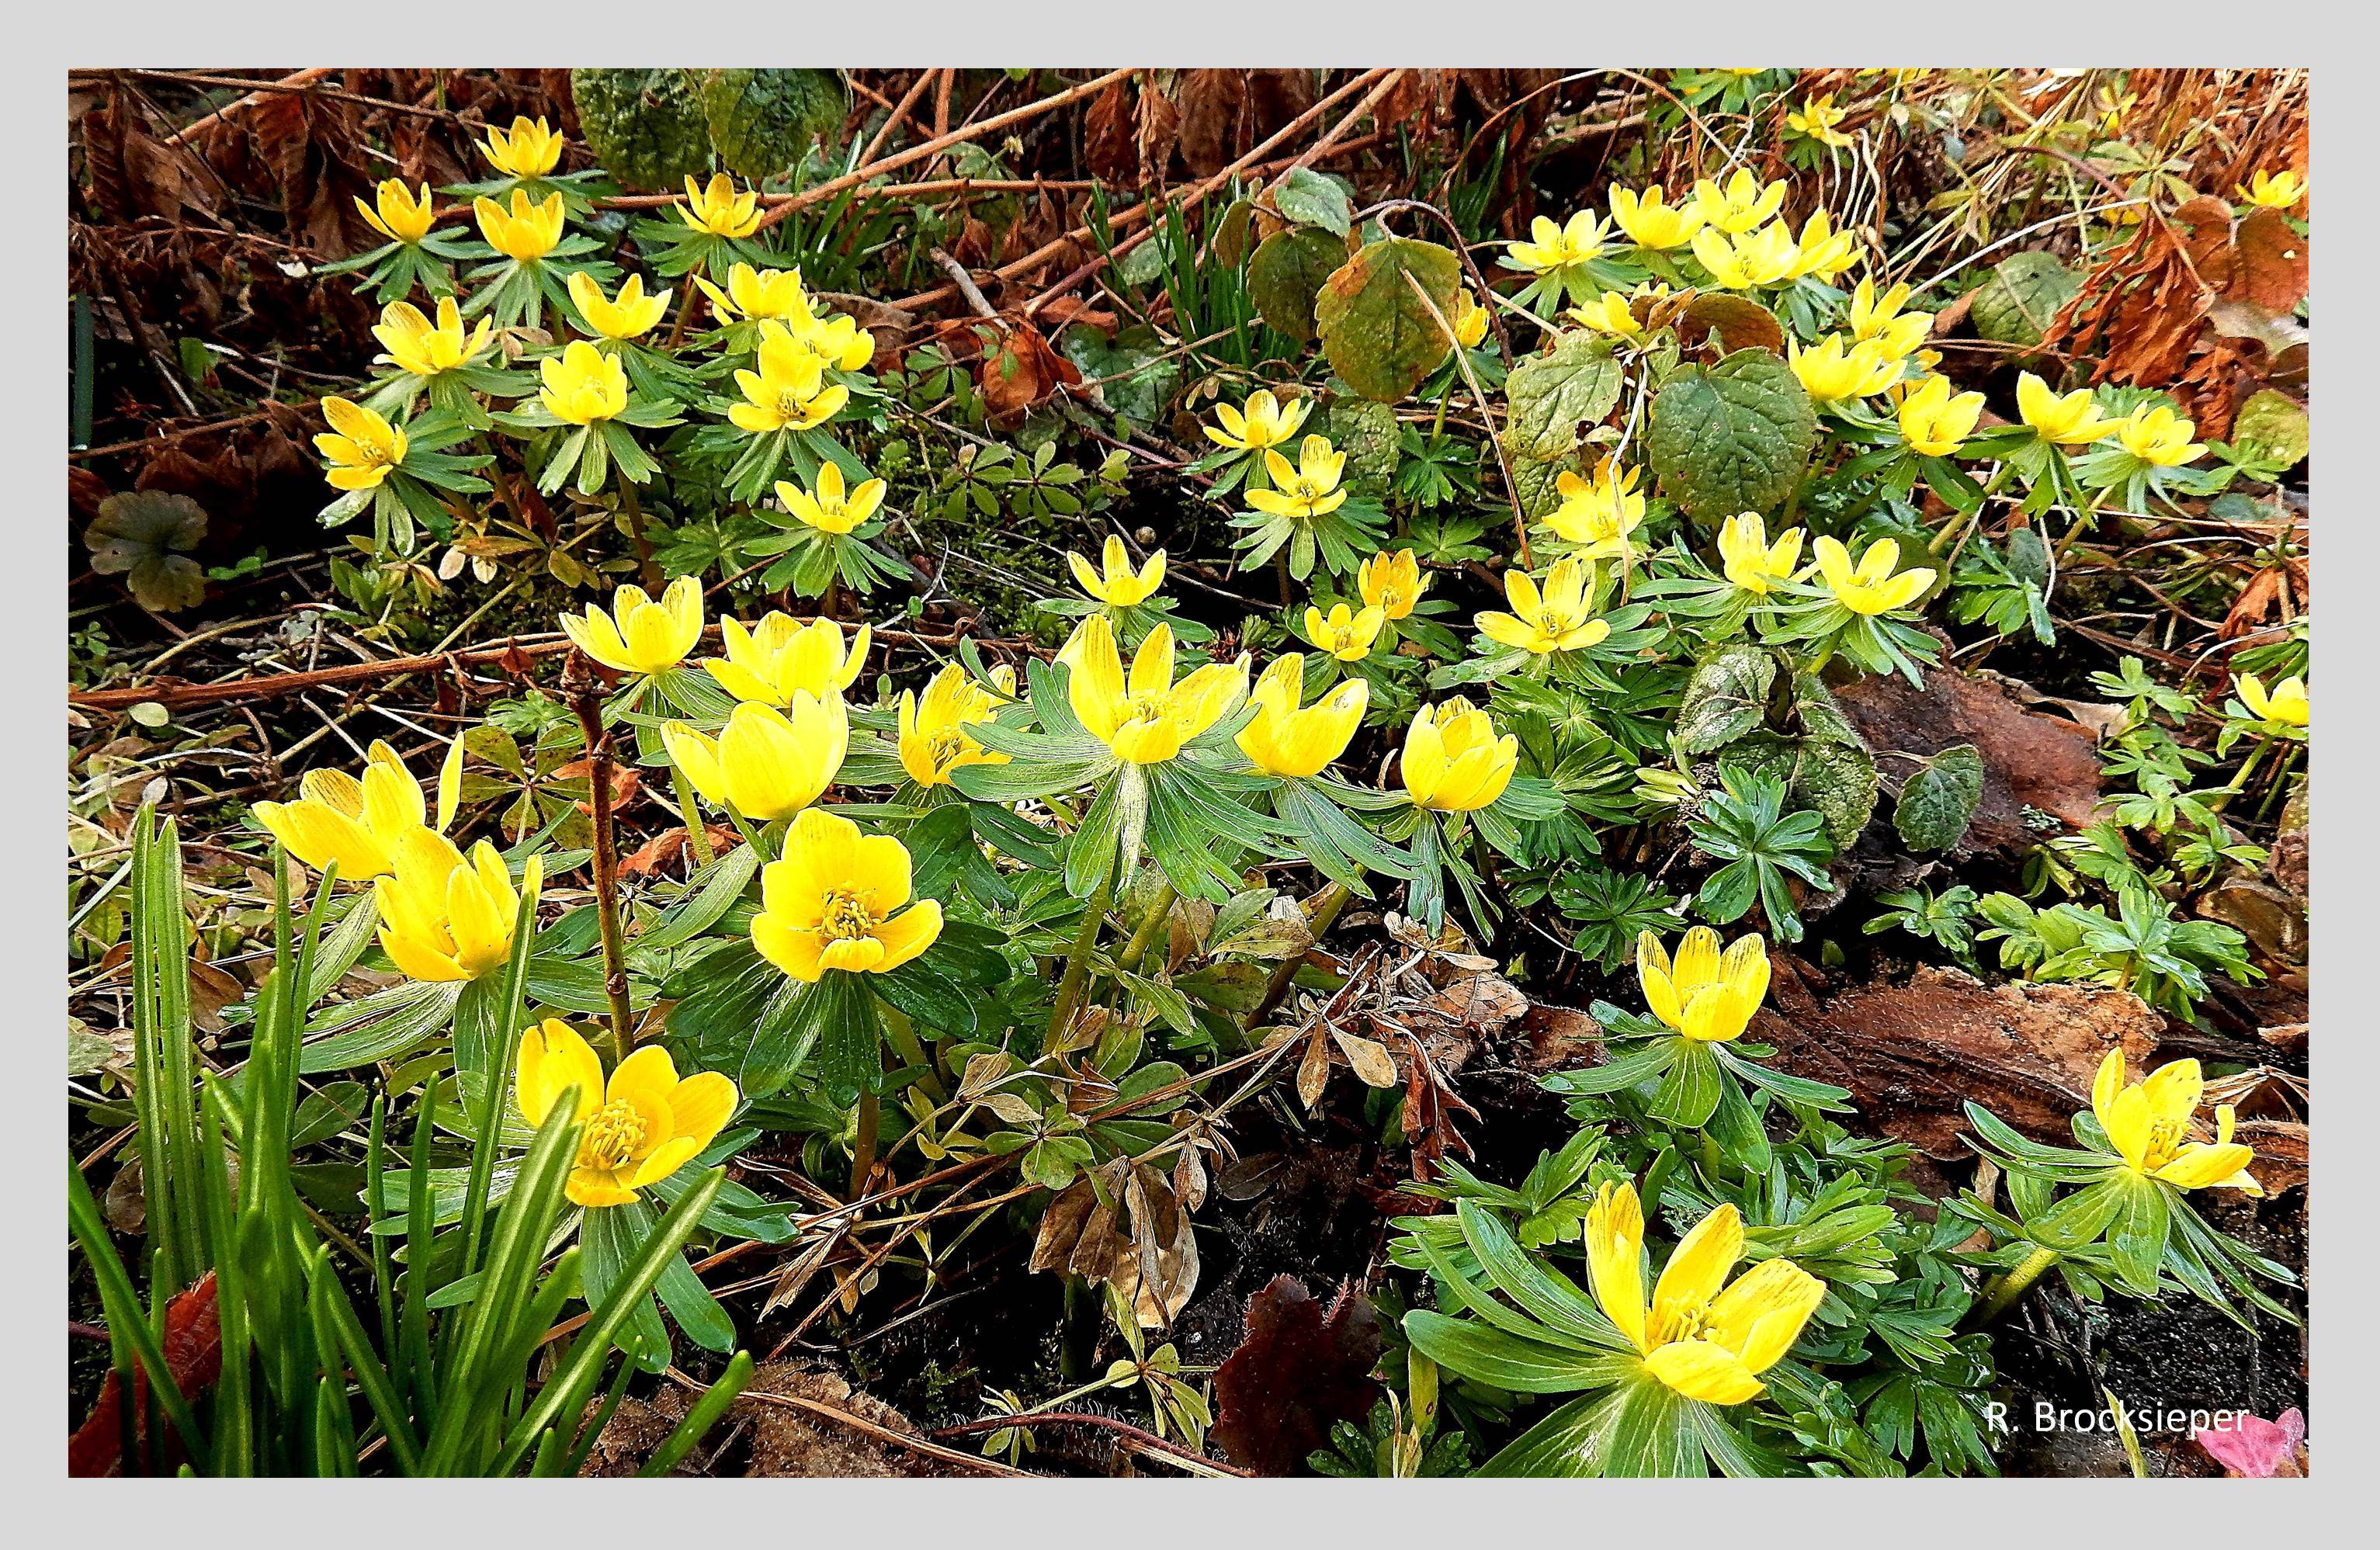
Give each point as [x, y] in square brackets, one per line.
[1822, 250]
[443, 918]
[531, 150]
[1470, 320]
[1830, 373]
[1701, 1341]
[2287, 705]
[1145, 719]
[1552, 249]
[1704, 994]
[780, 656]
[1265, 422]
[934, 740]
[361, 446]
[582, 385]
[640, 634]
[629, 315]
[1608, 313]
[1880, 318]
[1307, 491]
[397, 213]
[789, 392]
[416, 346]
[1554, 620]
[525, 234]
[1294, 744]
[642, 1127]
[1753, 563]
[1871, 588]
[1817, 119]
[359, 824]
[2274, 190]
[1741, 205]
[828, 507]
[759, 294]
[2073, 420]
[1346, 635]
[1115, 583]
[1392, 583]
[2157, 436]
[1651, 224]
[719, 210]
[829, 903]
[838, 341]
[1602, 516]
[2148, 1124]
[1743, 263]
[766, 763]
[1453, 760]
[1933, 422]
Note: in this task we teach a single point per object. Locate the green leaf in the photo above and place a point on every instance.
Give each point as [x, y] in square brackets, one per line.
[1367, 432]
[1484, 1354]
[1551, 395]
[1375, 332]
[1725, 696]
[646, 126]
[762, 122]
[1940, 801]
[1732, 438]
[1306, 195]
[1285, 273]
[1740, 324]
[2276, 425]
[2025, 292]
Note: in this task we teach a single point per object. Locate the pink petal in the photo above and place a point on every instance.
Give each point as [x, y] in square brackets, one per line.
[2252, 1447]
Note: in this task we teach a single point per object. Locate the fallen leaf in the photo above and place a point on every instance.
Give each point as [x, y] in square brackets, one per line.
[2046, 763]
[1299, 1369]
[192, 1344]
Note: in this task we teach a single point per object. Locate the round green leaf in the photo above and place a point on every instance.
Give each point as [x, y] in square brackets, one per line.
[1734, 437]
[1287, 270]
[1377, 335]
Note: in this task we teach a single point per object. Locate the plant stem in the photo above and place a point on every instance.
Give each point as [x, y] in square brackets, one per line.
[698, 837]
[1078, 960]
[863, 1144]
[2006, 1289]
[1158, 914]
[1321, 911]
[646, 572]
[588, 702]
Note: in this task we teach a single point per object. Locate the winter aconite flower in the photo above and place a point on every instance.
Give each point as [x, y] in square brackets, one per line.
[719, 210]
[527, 150]
[1345, 634]
[789, 392]
[2274, 190]
[1819, 119]
[1702, 1337]
[1744, 203]
[443, 918]
[1392, 583]
[830, 506]
[397, 213]
[1932, 421]
[416, 344]
[524, 233]
[1453, 760]
[759, 294]
[1830, 373]
[2158, 437]
[631, 315]
[1309, 490]
[1749, 560]
[2286, 705]
[1286, 740]
[1706, 995]
[361, 446]
[835, 902]
[1745, 263]
[1871, 587]
[1822, 252]
[1608, 313]
[1116, 582]
[2148, 1123]
[934, 739]
[1551, 249]
[359, 824]
[2071, 420]
[640, 634]
[1265, 422]
[766, 763]
[1557, 617]
[635, 1131]
[582, 385]
[1651, 224]
[1145, 718]
[1470, 320]
[771, 661]
[1879, 317]
[1601, 514]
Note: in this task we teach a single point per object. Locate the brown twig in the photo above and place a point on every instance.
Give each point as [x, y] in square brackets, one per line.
[1463, 364]
[884, 1433]
[584, 692]
[1105, 1423]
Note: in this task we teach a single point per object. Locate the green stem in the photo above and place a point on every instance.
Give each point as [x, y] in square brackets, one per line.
[1320, 911]
[698, 837]
[646, 572]
[1158, 915]
[2006, 1289]
[1078, 961]
[862, 1144]
[590, 705]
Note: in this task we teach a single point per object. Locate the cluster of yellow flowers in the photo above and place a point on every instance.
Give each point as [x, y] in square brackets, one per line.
[1731, 229]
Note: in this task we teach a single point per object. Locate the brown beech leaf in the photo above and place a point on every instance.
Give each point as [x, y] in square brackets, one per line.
[1023, 372]
[193, 1348]
[2269, 261]
[1108, 135]
[1298, 1369]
